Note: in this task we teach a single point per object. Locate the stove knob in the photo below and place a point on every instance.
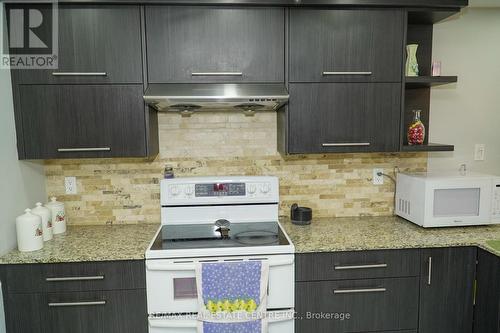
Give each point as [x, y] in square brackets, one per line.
[188, 190]
[265, 188]
[251, 188]
[174, 190]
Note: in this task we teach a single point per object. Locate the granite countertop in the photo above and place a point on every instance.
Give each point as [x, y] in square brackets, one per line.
[129, 242]
[371, 233]
[90, 243]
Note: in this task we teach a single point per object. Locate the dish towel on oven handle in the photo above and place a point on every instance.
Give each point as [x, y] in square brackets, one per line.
[232, 296]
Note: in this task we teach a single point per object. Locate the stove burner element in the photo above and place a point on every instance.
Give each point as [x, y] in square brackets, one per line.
[256, 237]
[223, 226]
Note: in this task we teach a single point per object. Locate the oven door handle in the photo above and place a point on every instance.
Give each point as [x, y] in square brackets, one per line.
[273, 317]
[173, 266]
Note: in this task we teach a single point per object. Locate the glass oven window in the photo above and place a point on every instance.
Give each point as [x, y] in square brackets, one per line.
[457, 202]
[185, 288]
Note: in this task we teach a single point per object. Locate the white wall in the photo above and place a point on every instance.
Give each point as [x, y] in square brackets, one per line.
[21, 183]
[468, 112]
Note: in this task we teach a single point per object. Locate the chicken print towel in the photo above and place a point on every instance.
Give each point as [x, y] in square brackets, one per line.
[232, 296]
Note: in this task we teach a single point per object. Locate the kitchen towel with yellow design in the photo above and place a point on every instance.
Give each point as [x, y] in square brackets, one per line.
[232, 296]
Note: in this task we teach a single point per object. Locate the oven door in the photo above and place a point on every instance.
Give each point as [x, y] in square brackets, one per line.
[171, 283]
[278, 322]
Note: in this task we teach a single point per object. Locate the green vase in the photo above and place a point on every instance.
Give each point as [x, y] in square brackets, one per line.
[411, 60]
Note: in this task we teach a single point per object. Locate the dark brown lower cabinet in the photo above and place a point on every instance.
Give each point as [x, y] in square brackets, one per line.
[487, 309]
[357, 305]
[447, 290]
[111, 298]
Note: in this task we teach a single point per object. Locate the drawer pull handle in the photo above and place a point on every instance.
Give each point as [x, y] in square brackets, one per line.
[74, 278]
[217, 74]
[346, 144]
[347, 73]
[65, 304]
[358, 291]
[80, 74]
[66, 150]
[339, 268]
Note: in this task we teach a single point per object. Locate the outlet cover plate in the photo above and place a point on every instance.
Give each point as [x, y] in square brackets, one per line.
[70, 185]
[378, 180]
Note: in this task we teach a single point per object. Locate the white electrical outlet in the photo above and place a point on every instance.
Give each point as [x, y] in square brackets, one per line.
[70, 185]
[378, 180]
[479, 152]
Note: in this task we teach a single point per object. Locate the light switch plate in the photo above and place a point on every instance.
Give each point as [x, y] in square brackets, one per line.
[378, 180]
[70, 185]
[479, 152]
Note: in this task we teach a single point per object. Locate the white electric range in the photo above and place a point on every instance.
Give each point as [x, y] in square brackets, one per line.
[216, 219]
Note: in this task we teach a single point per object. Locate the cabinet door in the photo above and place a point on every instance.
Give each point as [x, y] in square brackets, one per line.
[331, 45]
[340, 117]
[446, 290]
[23, 313]
[96, 312]
[357, 305]
[97, 44]
[216, 44]
[487, 309]
[68, 121]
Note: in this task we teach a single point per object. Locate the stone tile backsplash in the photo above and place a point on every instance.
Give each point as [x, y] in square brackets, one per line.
[127, 190]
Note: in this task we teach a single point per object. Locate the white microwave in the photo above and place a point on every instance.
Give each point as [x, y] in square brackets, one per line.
[448, 200]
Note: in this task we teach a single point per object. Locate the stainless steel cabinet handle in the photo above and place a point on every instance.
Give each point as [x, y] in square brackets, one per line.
[429, 276]
[217, 74]
[346, 144]
[347, 73]
[338, 268]
[75, 278]
[357, 291]
[80, 74]
[55, 305]
[63, 150]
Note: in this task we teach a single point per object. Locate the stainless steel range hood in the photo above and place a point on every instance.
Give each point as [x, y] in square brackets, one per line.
[192, 97]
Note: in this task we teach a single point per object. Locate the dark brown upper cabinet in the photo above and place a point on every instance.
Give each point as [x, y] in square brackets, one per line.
[97, 44]
[68, 121]
[343, 117]
[334, 45]
[215, 44]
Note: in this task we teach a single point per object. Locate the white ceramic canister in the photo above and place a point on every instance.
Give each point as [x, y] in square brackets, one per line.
[29, 232]
[58, 216]
[46, 216]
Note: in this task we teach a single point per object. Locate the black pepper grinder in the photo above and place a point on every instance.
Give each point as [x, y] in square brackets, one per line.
[300, 215]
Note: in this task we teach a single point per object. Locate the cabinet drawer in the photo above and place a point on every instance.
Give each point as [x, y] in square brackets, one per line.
[70, 121]
[95, 46]
[331, 45]
[216, 44]
[372, 305]
[76, 276]
[97, 311]
[357, 265]
[344, 117]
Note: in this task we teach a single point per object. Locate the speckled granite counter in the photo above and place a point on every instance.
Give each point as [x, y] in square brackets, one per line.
[128, 242]
[371, 233]
[90, 243]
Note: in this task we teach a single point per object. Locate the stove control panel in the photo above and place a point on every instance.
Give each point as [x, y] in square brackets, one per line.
[220, 189]
[192, 191]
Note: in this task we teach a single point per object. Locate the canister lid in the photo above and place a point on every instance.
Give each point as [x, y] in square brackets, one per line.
[54, 203]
